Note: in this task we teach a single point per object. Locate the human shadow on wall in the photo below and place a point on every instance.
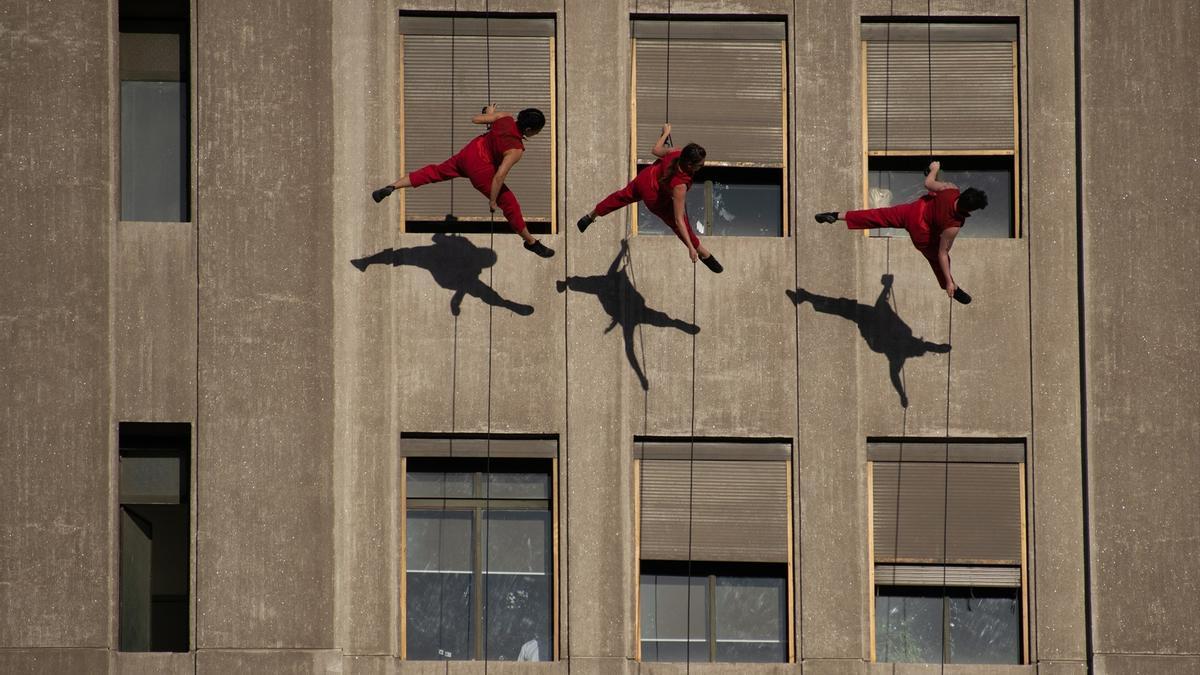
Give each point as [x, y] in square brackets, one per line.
[610, 288]
[455, 263]
[881, 328]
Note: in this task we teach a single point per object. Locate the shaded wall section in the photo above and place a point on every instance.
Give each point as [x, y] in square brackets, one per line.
[56, 209]
[1140, 166]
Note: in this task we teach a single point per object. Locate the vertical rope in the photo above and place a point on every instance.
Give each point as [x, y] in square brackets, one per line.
[691, 483]
[565, 590]
[487, 521]
[946, 491]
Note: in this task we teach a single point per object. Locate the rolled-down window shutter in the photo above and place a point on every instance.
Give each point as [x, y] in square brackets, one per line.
[520, 78]
[983, 508]
[738, 510]
[973, 88]
[726, 94]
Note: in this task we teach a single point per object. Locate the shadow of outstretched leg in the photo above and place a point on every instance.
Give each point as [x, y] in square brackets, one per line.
[487, 294]
[385, 257]
[631, 355]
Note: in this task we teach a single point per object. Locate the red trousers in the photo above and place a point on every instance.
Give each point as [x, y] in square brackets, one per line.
[473, 163]
[911, 217]
[637, 191]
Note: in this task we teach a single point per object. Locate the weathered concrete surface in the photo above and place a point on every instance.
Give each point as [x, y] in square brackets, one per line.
[152, 663]
[1146, 664]
[154, 308]
[1141, 163]
[53, 661]
[366, 470]
[1062, 667]
[1055, 485]
[274, 661]
[265, 520]
[55, 431]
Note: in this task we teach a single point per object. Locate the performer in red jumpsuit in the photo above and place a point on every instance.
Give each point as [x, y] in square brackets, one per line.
[663, 187]
[486, 161]
[932, 222]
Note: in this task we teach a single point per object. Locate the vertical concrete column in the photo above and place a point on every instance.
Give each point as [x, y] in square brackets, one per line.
[833, 551]
[264, 452]
[1055, 486]
[367, 545]
[56, 434]
[1140, 167]
[598, 608]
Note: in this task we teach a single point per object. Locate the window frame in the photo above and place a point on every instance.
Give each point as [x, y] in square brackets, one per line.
[478, 224]
[645, 448]
[1015, 230]
[478, 466]
[1022, 590]
[783, 168]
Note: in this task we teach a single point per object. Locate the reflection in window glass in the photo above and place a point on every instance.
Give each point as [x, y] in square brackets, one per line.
[894, 181]
[479, 578]
[984, 625]
[728, 201]
[751, 619]
[664, 604]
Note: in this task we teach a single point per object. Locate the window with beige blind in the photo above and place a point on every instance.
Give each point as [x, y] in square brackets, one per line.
[948, 551]
[444, 66]
[946, 91]
[714, 550]
[727, 91]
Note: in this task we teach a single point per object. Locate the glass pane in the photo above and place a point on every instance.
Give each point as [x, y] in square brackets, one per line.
[751, 618]
[908, 625]
[440, 541]
[697, 211]
[439, 615]
[747, 210]
[986, 628]
[440, 579]
[150, 480]
[517, 542]
[664, 604]
[892, 186]
[436, 484]
[518, 486]
[517, 614]
[154, 156]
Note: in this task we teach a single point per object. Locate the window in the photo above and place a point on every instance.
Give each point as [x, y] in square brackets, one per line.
[155, 533]
[444, 69]
[744, 131]
[723, 590]
[155, 138]
[964, 601]
[480, 549]
[974, 115]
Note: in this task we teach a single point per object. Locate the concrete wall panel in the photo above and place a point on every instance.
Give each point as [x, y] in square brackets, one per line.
[51, 661]
[265, 539]
[274, 661]
[154, 305]
[57, 207]
[153, 663]
[1140, 166]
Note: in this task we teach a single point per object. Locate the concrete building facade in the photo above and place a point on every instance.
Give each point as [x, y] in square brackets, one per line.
[298, 374]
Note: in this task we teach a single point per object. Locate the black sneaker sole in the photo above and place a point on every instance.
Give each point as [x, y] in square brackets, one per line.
[711, 263]
[540, 249]
[382, 193]
[962, 296]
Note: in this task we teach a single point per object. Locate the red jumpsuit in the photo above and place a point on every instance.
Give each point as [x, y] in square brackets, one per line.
[645, 187]
[478, 161]
[925, 219]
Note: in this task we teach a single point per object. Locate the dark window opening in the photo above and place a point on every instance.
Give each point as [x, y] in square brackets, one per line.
[155, 531]
[155, 93]
[898, 180]
[479, 568]
[727, 612]
[472, 226]
[727, 201]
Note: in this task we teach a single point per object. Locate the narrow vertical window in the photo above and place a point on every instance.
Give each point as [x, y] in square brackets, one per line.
[155, 93]
[155, 536]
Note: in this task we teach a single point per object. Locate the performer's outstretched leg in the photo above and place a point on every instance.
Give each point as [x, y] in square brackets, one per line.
[619, 199]
[433, 173]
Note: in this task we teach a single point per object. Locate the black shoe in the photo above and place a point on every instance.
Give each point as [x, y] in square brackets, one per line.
[711, 263]
[827, 217]
[962, 296]
[584, 222]
[382, 193]
[540, 249]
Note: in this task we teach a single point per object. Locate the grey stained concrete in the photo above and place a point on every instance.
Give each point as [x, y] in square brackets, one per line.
[299, 371]
[1140, 165]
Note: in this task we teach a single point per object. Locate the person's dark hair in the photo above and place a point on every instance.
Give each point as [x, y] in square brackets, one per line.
[530, 119]
[972, 199]
[692, 154]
